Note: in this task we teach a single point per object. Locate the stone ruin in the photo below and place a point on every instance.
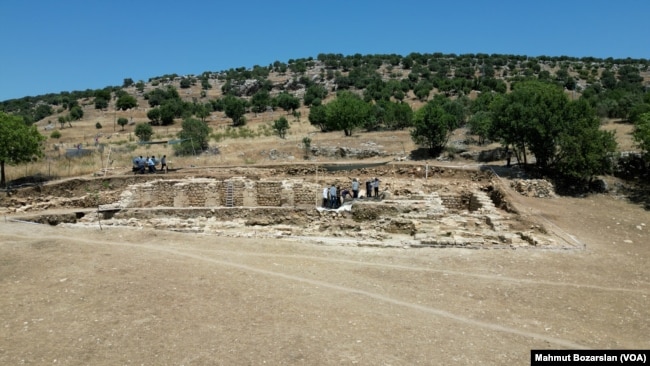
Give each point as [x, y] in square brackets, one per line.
[289, 208]
[454, 209]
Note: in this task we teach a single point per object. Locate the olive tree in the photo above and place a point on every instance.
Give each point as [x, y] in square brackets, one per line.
[281, 125]
[194, 137]
[122, 122]
[143, 131]
[563, 135]
[19, 143]
[126, 101]
[347, 112]
[432, 127]
[641, 132]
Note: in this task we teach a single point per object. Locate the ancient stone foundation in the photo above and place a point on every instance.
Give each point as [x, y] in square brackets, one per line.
[206, 192]
[443, 212]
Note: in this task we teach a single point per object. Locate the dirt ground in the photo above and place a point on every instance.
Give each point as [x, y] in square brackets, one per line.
[125, 296]
[138, 296]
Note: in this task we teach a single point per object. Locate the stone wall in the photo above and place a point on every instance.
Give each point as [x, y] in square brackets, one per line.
[454, 202]
[269, 193]
[206, 192]
[464, 202]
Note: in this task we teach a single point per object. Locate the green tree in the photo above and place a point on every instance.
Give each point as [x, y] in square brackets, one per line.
[401, 115]
[347, 112]
[159, 96]
[306, 145]
[19, 143]
[101, 103]
[202, 111]
[318, 117]
[168, 111]
[205, 84]
[143, 131]
[194, 137]
[62, 120]
[42, 111]
[287, 102]
[76, 113]
[314, 92]
[139, 86]
[154, 115]
[260, 101]
[185, 83]
[641, 132]
[480, 124]
[531, 117]
[281, 125]
[432, 127]
[235, 108]
[563, 135]
[126, 101]
[122, 122]
[583, 149]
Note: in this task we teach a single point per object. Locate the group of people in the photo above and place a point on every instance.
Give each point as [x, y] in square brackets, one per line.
[372, 185]
[142, 165]
[334, 196]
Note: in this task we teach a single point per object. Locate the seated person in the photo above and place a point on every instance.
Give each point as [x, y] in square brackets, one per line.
[139, 168]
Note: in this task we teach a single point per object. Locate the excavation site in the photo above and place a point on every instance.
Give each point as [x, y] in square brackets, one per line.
[417, 206]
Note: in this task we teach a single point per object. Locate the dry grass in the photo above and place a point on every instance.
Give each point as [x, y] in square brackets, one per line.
[120, 145]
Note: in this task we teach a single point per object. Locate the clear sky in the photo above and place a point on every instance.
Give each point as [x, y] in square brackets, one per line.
[53, 46]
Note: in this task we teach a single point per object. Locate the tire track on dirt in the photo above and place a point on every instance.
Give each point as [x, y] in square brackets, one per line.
[490, 277]
[425, 309]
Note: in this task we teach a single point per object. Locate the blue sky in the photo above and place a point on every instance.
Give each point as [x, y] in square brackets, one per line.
[54, 46]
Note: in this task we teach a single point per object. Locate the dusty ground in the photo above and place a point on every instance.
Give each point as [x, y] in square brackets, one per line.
[126, 296]
[121, 296]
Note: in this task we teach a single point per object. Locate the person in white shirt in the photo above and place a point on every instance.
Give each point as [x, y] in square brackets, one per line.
[326, 197]
[375, 185]
[151, 162]
[355, 188]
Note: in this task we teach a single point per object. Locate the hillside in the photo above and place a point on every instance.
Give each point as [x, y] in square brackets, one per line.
[414, 79]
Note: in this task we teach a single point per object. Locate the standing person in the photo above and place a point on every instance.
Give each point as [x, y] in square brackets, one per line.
[368, 188]
[375, 185]
[333, 196]
[152, 164]
[339, 199]
[326, 197]
[355, 188]
[163, 163]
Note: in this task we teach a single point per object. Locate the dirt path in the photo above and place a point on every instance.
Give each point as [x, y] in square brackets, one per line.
[126, 296]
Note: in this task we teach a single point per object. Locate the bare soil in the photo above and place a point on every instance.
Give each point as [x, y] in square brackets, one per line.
[124, 296]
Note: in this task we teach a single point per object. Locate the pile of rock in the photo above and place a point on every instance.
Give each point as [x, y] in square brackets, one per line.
[539, 188]
[347, 152]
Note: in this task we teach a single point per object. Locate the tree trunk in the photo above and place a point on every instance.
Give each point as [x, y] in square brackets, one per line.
[2, 174]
